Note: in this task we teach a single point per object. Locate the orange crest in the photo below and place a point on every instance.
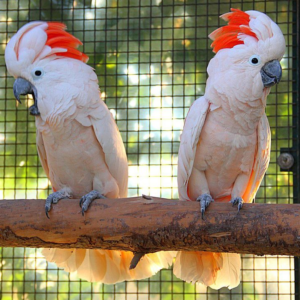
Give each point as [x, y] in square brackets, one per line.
[228, 36]
[59, 38]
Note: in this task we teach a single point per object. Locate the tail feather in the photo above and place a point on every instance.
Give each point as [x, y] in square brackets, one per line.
[67, 259]
[149, 264]
[99, 266]
[211, 269]
[108, 266]
[230, 274]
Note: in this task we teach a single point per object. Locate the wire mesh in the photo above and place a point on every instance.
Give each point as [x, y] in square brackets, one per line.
[150, 57]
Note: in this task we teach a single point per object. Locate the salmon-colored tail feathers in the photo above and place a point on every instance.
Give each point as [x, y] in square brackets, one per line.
[215, 270]
[107, 266]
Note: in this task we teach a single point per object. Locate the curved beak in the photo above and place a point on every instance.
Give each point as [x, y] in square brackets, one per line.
[24, 87]
[271, 73]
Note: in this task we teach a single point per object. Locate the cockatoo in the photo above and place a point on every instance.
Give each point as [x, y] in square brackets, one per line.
[225, 144]
[78, 142]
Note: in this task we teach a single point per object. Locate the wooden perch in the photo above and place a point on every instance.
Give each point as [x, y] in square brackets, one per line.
[142, 225]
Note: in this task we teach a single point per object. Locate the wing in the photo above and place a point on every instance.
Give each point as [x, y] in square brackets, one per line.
[109, 137]
[42, 152]
[92, 111]
[188, 144]
[262, 159]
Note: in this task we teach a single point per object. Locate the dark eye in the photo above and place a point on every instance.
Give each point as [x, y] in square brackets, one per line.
[254, 60]
[37, 73]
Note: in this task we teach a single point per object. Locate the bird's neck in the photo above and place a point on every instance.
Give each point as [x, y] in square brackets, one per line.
[58, 129]
[239, 116]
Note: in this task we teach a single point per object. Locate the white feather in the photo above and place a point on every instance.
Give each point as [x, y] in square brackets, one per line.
[188, 143]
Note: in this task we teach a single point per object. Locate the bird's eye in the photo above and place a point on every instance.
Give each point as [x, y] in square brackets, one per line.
[37, 73]
[254, 60]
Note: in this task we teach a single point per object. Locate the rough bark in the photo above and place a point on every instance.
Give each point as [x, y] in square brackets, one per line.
[142, 225]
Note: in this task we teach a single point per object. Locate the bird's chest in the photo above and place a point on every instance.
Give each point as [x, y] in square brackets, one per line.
[73, 155]
[69, 142]
[223, 152]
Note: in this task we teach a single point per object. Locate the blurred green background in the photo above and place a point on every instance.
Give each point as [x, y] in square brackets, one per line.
[150, 57]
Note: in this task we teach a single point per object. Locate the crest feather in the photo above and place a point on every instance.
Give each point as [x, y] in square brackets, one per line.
[229, 36]
[57, 37]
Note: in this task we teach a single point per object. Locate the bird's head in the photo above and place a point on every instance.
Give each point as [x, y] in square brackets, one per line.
[248, 53]
[38, 56]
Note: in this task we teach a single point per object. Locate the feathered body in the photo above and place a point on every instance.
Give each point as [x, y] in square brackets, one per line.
[78, 142]
[225, 144]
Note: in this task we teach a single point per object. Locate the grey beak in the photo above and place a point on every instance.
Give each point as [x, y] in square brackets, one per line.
[271, 73]
[24, 87]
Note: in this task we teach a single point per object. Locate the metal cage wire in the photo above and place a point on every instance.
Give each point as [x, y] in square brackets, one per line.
[150, 57]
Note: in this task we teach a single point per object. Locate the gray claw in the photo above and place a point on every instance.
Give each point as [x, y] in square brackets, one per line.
[87, 199]
[204, 200]
[81, 201]
[54, 198]
[46, 210]
[240, 206]
[237, 201]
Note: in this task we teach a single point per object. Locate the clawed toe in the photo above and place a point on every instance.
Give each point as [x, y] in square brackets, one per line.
[54, 198]
[87, 199]
[204, 200]
[47, 209]
[81, 201]
[237, 201]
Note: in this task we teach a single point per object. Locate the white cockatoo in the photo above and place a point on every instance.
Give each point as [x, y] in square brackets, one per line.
[78, 142]
[225, 144]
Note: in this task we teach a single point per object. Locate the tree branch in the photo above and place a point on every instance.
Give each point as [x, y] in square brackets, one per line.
[142, 225]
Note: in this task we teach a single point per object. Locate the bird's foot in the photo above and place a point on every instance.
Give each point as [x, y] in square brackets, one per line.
[204, 200]
[54, 198]
[237, 201]
[87, 199]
